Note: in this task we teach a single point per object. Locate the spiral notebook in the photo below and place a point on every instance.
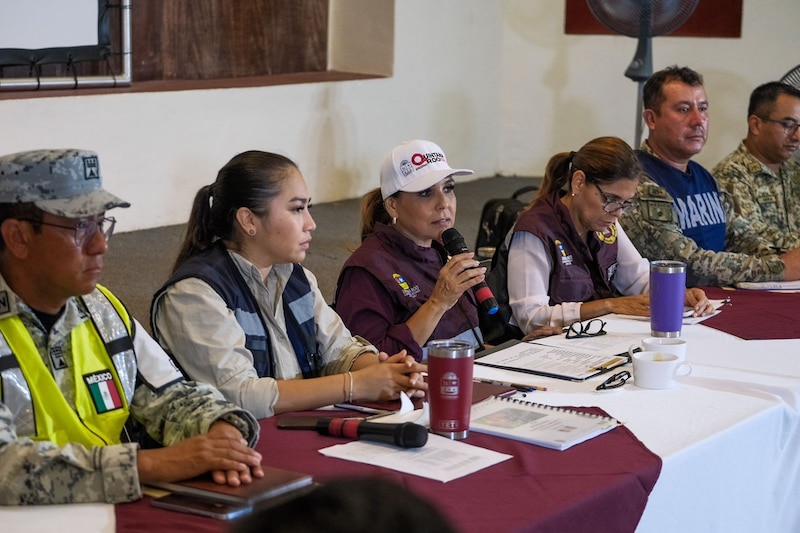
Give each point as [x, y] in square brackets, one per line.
[544, 425]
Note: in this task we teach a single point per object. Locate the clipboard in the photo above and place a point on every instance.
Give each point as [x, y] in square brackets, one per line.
[559, 362]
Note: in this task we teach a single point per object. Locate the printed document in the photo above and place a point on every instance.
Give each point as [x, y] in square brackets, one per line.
[441, 459]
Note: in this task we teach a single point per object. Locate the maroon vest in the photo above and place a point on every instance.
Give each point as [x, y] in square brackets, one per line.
[408, 273]
[581, 271]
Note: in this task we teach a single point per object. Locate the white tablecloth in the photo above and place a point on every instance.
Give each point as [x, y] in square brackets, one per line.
[728, 434]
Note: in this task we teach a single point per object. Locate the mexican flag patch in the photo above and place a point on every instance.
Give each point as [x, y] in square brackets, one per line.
[103, 390]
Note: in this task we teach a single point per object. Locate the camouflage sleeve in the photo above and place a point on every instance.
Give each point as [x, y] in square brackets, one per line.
[736, 181]
[186, 409]
[654, 230]
[740, 234]
[40, 472]
[182, 409]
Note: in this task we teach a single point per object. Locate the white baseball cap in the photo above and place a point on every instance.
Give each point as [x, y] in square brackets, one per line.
[414, 166]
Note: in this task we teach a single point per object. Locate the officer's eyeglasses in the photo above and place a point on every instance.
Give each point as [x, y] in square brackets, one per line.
[85, 229]
[593, 328]
[610, 206]
[615, 381]
[789, 126]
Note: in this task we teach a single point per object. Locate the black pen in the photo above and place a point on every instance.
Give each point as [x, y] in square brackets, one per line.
[520, 387]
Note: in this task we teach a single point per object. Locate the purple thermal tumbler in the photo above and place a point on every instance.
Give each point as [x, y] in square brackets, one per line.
[667, 296]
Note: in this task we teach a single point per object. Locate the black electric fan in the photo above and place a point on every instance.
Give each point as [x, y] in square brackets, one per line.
[642, 19]
[793, 78]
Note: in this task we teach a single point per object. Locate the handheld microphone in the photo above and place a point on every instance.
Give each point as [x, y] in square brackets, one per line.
[454, 244]
[405, 435]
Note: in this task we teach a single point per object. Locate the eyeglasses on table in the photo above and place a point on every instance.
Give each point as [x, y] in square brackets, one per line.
[592, 328]
[615, 381]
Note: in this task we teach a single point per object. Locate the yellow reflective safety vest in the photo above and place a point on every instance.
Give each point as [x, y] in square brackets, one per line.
[103, 370]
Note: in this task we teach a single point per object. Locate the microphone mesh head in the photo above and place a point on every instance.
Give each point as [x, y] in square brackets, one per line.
[454, 242]
[412, 435]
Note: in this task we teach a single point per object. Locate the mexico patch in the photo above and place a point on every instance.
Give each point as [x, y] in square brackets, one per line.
[103, 390]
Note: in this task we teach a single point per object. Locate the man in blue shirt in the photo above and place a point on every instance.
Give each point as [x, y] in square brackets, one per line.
[682, 214]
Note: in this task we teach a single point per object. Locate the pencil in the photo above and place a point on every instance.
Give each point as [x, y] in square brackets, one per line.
[519, 386]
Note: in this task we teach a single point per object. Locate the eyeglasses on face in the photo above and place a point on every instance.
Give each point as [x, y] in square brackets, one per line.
[615, 381]
[611, 206]
[789, 126]
[85, 229]
[593, 328]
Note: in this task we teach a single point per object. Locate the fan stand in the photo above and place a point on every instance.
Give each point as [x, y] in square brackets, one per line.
[641, 67]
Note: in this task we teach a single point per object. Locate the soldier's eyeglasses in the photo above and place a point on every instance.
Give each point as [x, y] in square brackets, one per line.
[615, 205]
[789, 126]
[85, 229]
[579, 330]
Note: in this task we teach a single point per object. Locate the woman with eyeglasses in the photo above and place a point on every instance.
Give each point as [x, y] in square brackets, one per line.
[568, 258]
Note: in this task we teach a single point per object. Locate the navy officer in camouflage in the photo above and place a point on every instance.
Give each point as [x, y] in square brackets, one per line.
[761, 175]
[682, 214]
[79, 377]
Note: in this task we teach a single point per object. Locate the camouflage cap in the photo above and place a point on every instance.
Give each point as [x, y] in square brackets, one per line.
[66, 182]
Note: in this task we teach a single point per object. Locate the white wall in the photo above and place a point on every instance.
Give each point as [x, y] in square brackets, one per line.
[560, 91]
[496, 83]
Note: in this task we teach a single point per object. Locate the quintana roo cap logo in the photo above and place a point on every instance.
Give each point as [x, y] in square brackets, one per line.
[406, 167]
[609, 235]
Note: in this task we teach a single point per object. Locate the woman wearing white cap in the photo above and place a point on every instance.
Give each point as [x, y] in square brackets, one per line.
[398, 290]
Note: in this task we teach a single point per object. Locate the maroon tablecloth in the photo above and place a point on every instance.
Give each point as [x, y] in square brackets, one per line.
[756, 315]
[599, 485]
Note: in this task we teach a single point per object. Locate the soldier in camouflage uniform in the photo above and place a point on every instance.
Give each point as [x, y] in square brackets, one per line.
[761, 174]
[74, 365]
[682, 215]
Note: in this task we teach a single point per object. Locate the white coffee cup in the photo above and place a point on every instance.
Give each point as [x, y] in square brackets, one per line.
[662, 344]
[658, 370]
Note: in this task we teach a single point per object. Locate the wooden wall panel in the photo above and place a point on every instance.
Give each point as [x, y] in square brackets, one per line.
[219, 39]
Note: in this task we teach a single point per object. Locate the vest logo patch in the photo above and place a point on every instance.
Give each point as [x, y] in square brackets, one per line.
[612, 270]
[410, 292]
[609, 236]
[5, 305]
[566, 260]
[57, 358]
[400, 281]
[103, 390]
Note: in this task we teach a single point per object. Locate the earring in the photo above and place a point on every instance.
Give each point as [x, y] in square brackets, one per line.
[251, 232]
[394, 221]
[573, 194]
